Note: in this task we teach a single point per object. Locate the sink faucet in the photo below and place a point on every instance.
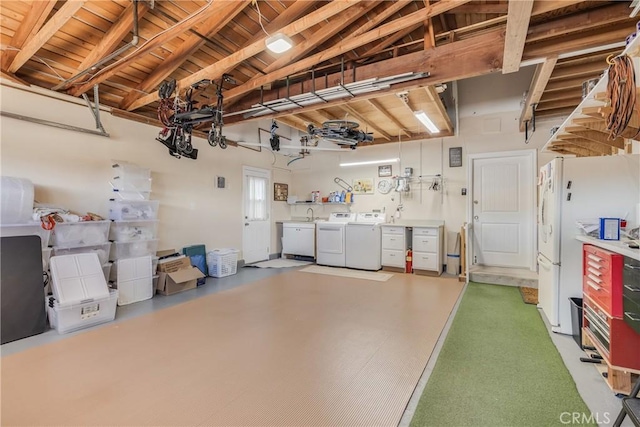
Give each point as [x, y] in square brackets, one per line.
[311, 214]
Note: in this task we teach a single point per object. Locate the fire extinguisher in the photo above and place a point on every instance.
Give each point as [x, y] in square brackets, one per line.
[409, 262]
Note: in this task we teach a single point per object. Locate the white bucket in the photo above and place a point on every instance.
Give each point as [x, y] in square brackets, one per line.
[17, 200]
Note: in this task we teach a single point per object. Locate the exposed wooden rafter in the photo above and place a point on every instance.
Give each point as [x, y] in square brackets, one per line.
[366, 122]
[435, 98]
[375, 104]
[66, 11]
[517, 27]
[214, 71]
[190, 45]
[347, 45]
[32, 23]
[209, 10]
[536, 89]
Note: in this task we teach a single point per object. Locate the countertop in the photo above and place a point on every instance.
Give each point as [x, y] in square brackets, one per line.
[299, 221]
[617, 246]
[416, 223]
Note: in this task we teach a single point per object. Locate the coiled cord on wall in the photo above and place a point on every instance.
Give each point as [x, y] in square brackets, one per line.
[621, 90]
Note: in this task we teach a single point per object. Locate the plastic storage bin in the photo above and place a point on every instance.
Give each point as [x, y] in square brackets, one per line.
[131, 184]
[102, 251]
[138, 248]
[120, 210]
[128, 171]
[222, 262]
[137, 290]
[130, 195]
[131, 268]
[27, 229]
[106, 270]
[17, 199]
[76, 278]
[128, 231]
[73, 317]
[69, 234]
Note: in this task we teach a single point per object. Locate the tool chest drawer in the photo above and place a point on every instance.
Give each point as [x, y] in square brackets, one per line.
[602, 279]
[615, 338]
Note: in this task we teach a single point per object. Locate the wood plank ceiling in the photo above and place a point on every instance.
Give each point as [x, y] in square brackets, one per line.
[73, 45]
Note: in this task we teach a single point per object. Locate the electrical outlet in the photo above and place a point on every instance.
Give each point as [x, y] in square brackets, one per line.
[464, 191]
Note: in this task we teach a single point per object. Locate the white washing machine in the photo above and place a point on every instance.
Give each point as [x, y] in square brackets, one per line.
[364, 241]
[330, 239]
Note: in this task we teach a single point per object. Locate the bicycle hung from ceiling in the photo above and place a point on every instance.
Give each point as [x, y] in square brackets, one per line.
[180, 117]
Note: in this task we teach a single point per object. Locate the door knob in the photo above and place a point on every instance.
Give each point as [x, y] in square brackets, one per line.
[475, 202]
[476, 217]
[246, 224]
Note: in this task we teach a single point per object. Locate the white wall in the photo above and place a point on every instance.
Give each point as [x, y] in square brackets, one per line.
[73, 169]
[483, 128]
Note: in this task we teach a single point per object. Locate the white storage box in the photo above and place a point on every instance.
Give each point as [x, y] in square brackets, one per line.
[120, 210]
[28, 229]
[126, 170]
[81, 315]
[222, 262]
[131, 184]
[131, 195]
[131, 269]
[106, 270]
[77, 278]
[129, 231]
[69, 234]
[137, 290]
[101, 250]
[138, 248]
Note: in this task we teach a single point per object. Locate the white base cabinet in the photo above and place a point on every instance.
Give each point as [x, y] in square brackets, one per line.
[395, 243]
[428, 248]
[299, 239]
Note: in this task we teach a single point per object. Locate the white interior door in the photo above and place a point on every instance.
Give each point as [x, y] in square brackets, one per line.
[256, 231]
[503, 209]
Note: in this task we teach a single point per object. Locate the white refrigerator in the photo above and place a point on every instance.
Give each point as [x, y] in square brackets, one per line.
[572, 189]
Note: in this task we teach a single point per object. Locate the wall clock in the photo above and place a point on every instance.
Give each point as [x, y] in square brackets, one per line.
[384, 186]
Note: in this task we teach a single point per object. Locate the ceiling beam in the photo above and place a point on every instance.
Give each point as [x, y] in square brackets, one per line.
[30, 25]
[536, 89]
[561, 94]
[383, 44]
[583, 21]
[188, 47]
[112, 38]
[541, 7]
[565, 84]
[429, 31]
[215, 70]
[517, 26]
[66, 12]
[589, 68]
[388, 11]
[561, 103]
[13, 78]
[431, 93]
[375, 104]
[453, 61]
[577, 42]
[580, 152]
[210, 9]
[367, 123]
[326, 31]
[345, 46]
[501, 8]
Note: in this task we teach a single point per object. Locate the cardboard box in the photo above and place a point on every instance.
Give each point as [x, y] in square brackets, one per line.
[178, 281]
[173, 264]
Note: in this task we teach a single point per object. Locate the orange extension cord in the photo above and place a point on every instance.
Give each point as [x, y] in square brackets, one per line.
[621, 90]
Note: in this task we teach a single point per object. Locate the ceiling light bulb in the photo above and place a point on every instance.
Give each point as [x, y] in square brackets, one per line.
[426, 121]
[278, 43]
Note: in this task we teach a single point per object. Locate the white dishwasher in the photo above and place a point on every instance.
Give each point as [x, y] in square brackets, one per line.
[299, 238]
[364, 241]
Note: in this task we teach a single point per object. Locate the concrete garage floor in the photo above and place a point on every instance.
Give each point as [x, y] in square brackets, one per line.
[603, 404]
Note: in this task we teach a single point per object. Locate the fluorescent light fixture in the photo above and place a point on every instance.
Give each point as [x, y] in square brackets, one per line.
[279, 43]
[370, 162]
[426, 121]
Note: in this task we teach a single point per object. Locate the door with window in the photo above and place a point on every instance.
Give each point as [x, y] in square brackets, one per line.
[256, 231]
[503, 209]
